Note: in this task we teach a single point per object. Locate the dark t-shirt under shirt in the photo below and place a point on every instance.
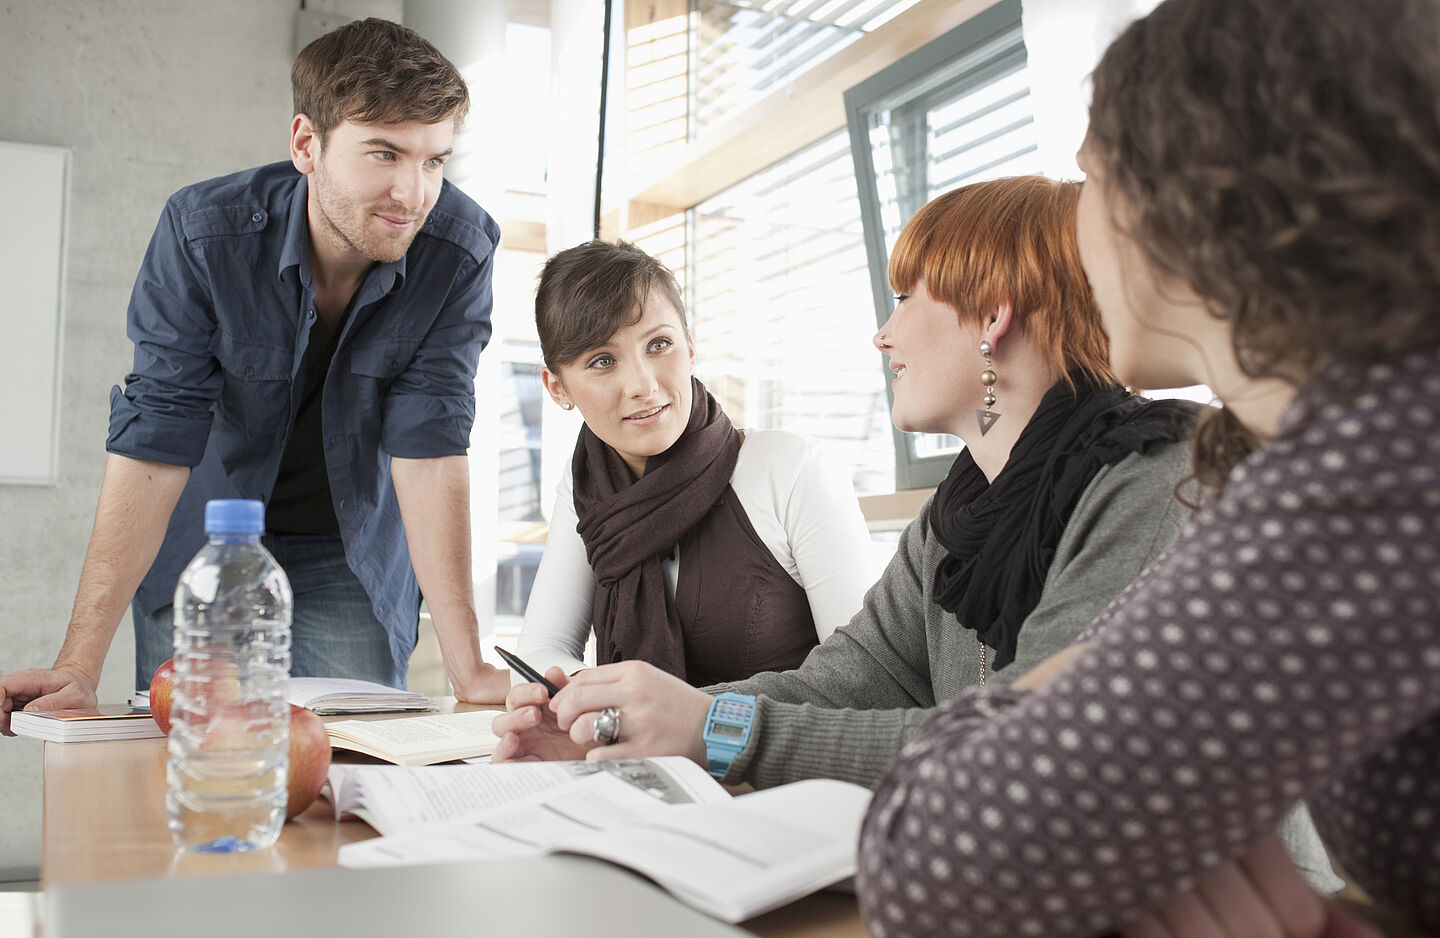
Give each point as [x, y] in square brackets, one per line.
[300, 501]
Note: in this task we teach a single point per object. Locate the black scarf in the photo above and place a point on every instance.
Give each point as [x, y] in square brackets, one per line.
[1001, 536]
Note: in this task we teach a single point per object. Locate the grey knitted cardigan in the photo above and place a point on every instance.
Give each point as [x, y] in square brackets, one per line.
[864, 692]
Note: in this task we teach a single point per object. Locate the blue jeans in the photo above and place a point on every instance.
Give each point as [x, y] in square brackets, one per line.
[335, 632]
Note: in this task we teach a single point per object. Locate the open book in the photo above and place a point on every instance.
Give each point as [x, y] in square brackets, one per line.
[333, 695]
[328, 695]
[424, 740]
[398, 799]
[665, 818]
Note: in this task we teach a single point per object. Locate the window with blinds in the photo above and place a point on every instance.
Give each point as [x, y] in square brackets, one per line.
[521, 401]
[955, 112]
[743, 50]
[777, 282]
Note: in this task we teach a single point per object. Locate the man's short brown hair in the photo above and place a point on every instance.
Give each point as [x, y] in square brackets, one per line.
[373, 71]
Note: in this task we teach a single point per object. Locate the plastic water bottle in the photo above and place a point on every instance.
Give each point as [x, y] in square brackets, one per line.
[230, 721]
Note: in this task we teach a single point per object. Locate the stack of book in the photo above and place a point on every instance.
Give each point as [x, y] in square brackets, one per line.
[109, 721]
[133, 720]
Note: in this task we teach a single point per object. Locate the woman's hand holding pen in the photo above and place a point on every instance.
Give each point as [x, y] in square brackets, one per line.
[528, 731]
[659, 715]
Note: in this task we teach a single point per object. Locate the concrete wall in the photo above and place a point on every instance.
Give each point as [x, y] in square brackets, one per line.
[151, 95]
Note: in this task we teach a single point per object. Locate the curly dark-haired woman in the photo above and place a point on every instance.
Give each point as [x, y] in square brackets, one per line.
[1262, 215]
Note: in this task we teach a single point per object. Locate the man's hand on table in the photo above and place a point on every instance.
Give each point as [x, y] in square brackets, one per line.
[486, 684]
[44, 689]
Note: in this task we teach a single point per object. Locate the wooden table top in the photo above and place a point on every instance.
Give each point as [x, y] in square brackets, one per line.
[104, 820]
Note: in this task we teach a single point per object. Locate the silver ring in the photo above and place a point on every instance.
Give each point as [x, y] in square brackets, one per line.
[607, 726]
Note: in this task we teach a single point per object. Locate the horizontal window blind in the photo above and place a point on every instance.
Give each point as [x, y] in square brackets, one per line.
[745, 49]
[780, 313]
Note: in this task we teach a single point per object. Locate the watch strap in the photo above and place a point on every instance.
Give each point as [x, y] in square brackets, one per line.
[727, 730]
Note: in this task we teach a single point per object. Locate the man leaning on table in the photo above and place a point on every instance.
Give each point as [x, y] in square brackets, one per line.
[306, 333]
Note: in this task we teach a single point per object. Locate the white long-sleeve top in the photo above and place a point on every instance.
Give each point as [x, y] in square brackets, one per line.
[804, 511]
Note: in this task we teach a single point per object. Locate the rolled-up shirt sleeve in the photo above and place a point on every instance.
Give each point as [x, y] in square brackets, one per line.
[430, 408]
[165, 409]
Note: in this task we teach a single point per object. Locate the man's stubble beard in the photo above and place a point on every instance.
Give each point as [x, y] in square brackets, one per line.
[347, 224]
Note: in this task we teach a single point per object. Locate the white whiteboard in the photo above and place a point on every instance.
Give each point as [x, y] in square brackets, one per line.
[32, 280]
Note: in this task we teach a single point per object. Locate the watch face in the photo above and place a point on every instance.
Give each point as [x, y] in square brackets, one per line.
[725, 729]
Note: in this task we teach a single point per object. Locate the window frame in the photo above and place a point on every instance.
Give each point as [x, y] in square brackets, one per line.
[987, 26]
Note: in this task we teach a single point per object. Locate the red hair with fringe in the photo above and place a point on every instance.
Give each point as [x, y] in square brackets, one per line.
[1009, 241]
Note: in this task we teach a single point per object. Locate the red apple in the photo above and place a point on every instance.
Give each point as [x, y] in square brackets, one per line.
[161, 686]
[309, 760]
[309, 745]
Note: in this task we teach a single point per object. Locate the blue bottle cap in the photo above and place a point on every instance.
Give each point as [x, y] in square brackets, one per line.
[234, 516]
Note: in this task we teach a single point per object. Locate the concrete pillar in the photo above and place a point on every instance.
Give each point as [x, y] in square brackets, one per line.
[471, 34]
[577, 33]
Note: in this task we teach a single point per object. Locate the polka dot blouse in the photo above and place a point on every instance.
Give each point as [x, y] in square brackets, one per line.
[1287, 646]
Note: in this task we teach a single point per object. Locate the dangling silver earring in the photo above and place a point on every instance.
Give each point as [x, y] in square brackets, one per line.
[987, 417]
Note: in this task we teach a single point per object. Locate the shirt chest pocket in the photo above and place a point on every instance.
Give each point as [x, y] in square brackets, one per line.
[255, 393]
[381, 361]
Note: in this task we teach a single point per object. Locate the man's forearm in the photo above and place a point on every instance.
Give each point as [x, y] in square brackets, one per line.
[136, 500]
[434, 497]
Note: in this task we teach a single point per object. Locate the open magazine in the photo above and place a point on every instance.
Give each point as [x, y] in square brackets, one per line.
[665, 818]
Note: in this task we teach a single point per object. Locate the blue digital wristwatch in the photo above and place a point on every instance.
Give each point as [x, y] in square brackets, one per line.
[727, 730]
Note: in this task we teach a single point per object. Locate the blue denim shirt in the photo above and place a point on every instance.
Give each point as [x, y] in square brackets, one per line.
[220, 317]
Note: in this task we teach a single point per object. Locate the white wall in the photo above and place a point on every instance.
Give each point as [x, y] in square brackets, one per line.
[151, 94]
[1064, 40]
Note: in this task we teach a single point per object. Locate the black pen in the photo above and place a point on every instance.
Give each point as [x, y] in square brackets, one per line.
[527, 672]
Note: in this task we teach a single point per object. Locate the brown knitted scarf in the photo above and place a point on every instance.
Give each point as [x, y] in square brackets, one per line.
[628, 525]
